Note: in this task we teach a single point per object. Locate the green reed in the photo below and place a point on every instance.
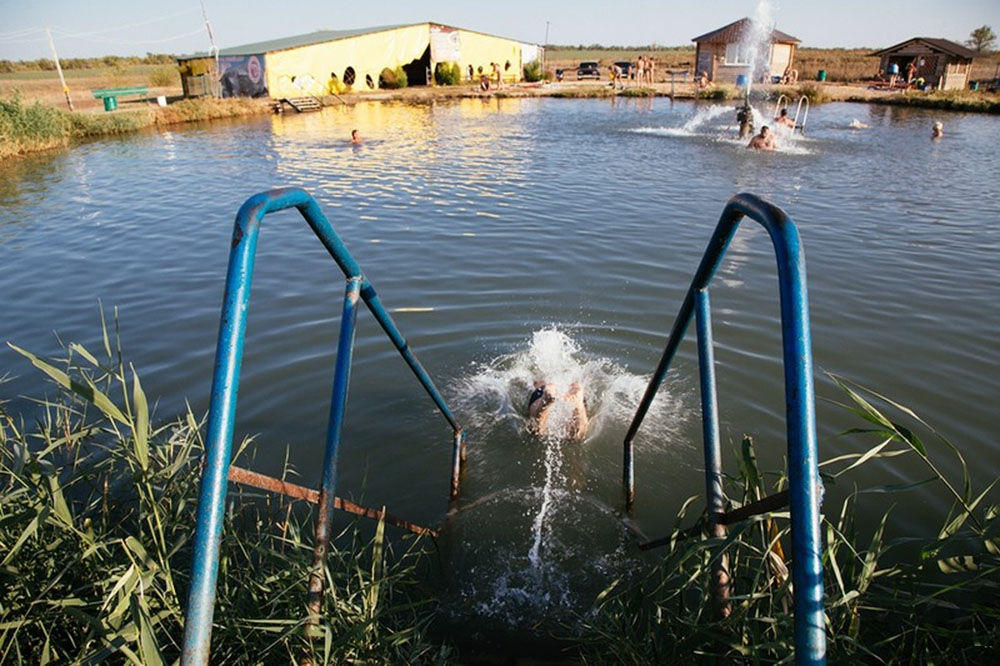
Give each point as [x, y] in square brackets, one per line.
[26, 127]
[908, 599]
[97, 511]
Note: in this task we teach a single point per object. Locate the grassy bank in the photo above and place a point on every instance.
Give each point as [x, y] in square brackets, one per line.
[26, 128]
[97, 504]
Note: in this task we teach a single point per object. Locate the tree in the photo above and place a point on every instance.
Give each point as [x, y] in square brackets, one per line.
[982, 38]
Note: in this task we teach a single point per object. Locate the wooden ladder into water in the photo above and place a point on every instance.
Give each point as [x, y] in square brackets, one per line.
[303, 104]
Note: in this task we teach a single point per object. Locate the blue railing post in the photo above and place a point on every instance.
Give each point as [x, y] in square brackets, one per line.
[800, 410]
[225, 387]
[338, 408]
[713, 450]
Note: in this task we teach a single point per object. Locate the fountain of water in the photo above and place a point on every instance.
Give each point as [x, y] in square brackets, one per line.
[756, 42]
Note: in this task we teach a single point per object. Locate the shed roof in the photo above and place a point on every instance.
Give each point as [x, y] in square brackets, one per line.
[941, 45]
[308, 39]
[736, 30]
[317, 37]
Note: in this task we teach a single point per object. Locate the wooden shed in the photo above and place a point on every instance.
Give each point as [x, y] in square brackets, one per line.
[726, 53]
[330, 61]
[941, 63]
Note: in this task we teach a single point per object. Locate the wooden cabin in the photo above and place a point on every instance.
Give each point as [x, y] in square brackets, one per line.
[942, 64]
[726, 53]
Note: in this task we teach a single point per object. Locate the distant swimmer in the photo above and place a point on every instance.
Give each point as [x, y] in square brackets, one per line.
[764, 140]
[857, 124]
[783, 119]
[545, 398]
[355, 137]
[937, 131]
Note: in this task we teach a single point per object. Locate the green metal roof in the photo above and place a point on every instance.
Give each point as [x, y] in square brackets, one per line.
[318, 37]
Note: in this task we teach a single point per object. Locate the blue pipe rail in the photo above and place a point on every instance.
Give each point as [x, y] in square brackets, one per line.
[800, 408]
[225, 385]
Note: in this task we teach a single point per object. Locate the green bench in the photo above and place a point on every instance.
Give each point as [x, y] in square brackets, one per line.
[111, 95]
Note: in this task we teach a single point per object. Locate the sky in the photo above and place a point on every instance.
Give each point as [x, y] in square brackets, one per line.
[91, 28]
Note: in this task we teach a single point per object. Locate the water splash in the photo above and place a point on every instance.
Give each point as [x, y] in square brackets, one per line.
[536, 534]
[716, 123]
[693, 127]
[756, 42]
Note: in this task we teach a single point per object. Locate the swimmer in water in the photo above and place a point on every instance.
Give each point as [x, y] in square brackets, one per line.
[937, 131]
[764, 140]
[540, 404]
[355, 137]
[783, 119]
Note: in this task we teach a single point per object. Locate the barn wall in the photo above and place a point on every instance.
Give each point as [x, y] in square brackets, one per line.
[313, 69]
[481, 50]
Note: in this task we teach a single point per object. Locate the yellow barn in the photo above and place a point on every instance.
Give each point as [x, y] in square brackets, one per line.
[333, 61]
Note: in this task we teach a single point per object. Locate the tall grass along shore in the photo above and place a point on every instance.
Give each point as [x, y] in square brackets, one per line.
[31, 127]
[97, 507]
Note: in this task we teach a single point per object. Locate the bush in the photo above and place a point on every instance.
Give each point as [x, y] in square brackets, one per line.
[163, 76]
[814, 92]
[392, 78]
[533, 71]
[721, 93]
[447, 74]
[24, 128]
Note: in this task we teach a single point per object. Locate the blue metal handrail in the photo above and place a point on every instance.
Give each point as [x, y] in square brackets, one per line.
[800, 410]
[222, 410]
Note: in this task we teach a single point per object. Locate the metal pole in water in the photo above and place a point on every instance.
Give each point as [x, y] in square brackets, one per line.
[338, 406]
[713, 450]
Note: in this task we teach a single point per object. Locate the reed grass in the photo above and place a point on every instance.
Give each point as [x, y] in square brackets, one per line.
[97, 508]
[904, 599]
[25, 127]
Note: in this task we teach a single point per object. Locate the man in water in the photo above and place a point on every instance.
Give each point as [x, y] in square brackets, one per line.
[937, 131]
[355, 137]
[764, 140]
[540, 405]
[783, 119]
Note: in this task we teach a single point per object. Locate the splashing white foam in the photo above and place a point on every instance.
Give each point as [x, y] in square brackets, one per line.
[539, 548]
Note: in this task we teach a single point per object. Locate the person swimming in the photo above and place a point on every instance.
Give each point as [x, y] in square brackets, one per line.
[568, 425]
[937, 131]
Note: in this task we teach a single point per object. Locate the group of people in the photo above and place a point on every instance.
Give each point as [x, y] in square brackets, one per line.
[493, 79]
[644, 71]
[764, 140]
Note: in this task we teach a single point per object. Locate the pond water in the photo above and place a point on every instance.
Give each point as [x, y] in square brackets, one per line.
[518, 238]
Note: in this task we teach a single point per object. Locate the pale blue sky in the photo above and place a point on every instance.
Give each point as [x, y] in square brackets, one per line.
[87, 28]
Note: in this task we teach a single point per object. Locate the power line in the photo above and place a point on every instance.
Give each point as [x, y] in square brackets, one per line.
[87, 37]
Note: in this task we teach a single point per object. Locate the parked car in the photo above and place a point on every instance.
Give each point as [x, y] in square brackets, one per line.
[626, 68]
[588, 69]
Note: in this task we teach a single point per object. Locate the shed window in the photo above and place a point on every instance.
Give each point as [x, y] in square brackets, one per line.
[738, 54]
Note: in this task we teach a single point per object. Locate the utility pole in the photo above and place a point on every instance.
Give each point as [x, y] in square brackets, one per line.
[545, 55]
[213, 51]
[62, 79]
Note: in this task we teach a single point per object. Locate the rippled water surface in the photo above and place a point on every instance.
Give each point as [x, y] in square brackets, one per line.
[521, 238]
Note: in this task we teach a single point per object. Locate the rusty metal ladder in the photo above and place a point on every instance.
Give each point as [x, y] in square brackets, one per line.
[222, 412]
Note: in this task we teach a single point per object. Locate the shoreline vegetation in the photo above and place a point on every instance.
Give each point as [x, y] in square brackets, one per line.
[33, 116]
[97, 503]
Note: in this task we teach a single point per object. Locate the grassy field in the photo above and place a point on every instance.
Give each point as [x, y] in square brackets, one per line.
[841, 65]
[43, 86]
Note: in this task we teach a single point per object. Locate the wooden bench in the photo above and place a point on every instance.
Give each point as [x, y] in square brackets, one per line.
[111, 95]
